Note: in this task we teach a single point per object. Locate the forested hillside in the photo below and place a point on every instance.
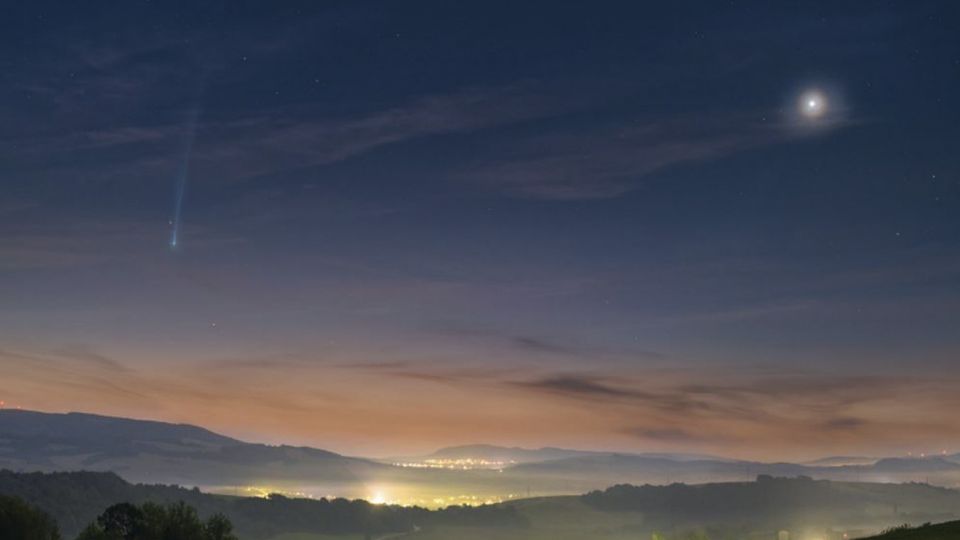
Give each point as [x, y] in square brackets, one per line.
[76, 499]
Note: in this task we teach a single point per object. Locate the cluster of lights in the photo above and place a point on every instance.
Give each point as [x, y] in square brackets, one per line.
[472, 500]
[263, 492]
[462, 464]
[377, 496]
[380, 497]
[924, 454]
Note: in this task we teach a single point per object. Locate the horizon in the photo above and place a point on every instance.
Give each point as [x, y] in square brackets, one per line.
[383, 229]
[928, 454]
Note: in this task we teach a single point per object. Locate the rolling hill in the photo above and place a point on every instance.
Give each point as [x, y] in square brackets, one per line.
[615, 468]
[158, 452]
[147, 451]
[724, 510]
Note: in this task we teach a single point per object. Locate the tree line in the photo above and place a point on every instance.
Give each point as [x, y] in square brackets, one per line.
[76, 502]
[124, 521]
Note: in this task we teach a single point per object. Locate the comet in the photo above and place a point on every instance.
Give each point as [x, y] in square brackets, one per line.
[183, 173]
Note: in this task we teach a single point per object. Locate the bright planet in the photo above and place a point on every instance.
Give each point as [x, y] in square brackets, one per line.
[813, 104]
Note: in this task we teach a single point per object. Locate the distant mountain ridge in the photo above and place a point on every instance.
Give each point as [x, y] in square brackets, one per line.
[931, 464]
[646, 469]
[97, 430]
[834, 461]
[150, 451]
[159, 452]
[517, 454]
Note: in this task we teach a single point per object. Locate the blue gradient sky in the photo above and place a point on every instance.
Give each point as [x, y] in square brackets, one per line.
[415, 224]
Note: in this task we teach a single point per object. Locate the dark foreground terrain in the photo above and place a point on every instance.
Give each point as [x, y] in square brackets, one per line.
[76, 499]
[941, 531]
[721, 511]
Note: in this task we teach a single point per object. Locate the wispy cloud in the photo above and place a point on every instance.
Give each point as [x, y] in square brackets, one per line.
[674, 436]
[86, 354]
[569, 156]
[744, 406]
[531, 345]
[375, 366]
[614, 389]
[604, 160]
[273, 140]
[844, 423]
[291, 139]
[582, 386]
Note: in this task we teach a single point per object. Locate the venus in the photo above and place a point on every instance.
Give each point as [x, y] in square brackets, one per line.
[813, 104]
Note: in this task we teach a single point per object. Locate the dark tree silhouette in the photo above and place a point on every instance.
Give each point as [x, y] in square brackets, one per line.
[220, 528]
[151, 521]
[123, 521]
[20, 521]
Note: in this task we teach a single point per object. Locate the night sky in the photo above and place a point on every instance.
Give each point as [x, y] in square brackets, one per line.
[384, 227]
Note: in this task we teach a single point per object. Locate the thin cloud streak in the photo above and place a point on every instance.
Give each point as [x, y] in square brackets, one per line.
[607, 161]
